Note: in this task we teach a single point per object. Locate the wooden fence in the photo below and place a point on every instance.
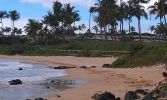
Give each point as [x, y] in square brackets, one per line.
[78, 52]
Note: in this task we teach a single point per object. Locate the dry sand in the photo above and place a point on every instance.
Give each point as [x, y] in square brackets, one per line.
[98, 80]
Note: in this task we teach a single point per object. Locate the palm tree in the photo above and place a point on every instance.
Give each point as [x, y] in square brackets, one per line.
[95, 28]
[81, 27]
[91, 10]
[14, 16]
[152, 28]
[130, 13]
[7, 29]
[76, 17]
[122, 14]
[32, 28]
[132, 29]
[3, 14]
[159, 9]
[139, 12]
[159, 30]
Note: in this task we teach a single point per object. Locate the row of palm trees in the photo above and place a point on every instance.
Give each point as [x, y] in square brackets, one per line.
[60, 23]
[13, 16]
[107, 14]
[57, 24]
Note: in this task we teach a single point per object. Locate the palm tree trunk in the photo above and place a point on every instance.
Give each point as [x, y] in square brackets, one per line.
[2, 27]
[13, 33]
[165, 19]
[139, 27]
[122, 25]
[129, 25]
[1, 22]
[89, 21]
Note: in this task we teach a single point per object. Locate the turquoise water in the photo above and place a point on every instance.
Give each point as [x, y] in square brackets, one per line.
[36, 80]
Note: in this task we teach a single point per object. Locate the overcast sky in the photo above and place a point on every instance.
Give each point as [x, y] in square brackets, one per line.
[36, 9]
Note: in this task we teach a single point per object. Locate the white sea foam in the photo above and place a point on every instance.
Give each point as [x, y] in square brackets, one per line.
[30, 75]
[30, 72]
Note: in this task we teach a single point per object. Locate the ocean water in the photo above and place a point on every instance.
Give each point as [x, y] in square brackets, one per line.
[36, 80]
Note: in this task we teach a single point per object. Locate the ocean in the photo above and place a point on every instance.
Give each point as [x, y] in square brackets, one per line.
[36, 80]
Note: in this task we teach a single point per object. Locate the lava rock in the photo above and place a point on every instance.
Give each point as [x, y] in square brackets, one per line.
[20, 68]
[105, 96]
[40, 99]
[84, 67]
[130, 95]
[93, 66]
[15, 82]
[62, 67]
[106, 65]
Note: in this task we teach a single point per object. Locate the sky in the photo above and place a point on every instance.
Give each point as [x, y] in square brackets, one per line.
[36, 9]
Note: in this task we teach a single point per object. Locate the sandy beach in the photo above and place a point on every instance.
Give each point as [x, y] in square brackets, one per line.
[98, 80]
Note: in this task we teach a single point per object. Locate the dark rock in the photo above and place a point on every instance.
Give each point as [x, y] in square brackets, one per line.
[52, 81]
[84, 67]
[105, 96]
[130, 95]
[63, 67]
[40, 99]
[20, 68]
[15, 82]
[106, 65]
[93, 66]
[60, 67]
[141, 91]
[58, 96]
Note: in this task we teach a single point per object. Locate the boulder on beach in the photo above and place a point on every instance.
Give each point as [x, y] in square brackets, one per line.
[93, 67]
[15, 82]
[105, 96]
[62, 67]
[20, 68]
[40, 99]
[106, 65]
[84, 67]
[130, 95]
[37, 99]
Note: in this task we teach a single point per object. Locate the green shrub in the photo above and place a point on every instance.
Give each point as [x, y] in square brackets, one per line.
[142, 56]
[96, 54]
[119, 63]
[164, 87]
[16, 49]
[85, 53]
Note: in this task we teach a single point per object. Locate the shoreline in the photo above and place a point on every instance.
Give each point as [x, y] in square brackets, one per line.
[117, 81]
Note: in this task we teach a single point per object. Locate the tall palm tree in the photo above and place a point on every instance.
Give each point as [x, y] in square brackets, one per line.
[91, 10]
[122, 14]
[139, 12]
[3, 14]
[130, 13]
[14, 16]
[159, 9]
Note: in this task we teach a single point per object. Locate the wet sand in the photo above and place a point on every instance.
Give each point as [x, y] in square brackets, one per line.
[118, 81]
